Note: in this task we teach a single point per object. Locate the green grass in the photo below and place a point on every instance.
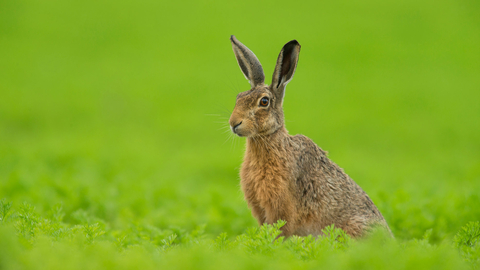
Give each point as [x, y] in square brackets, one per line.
[112, 118]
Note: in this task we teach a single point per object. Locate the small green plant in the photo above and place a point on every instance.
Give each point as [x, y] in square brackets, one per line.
[309, 247]
[92, 232]
[467, 240]
[27, 221]
[56, 213]
[336, 237]
[4, 210]
[169, 242]
[222, 243]
[264, 240]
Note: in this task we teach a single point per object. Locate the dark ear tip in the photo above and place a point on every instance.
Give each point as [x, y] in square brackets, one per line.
[293, 42]
[233, 38]
[291, 45]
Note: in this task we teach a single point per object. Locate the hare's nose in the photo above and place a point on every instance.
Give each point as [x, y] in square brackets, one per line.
[234, 128]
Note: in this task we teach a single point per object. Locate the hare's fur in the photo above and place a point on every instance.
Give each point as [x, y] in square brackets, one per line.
[290, 177]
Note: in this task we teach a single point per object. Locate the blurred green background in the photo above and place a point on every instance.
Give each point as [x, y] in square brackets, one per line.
[118, 109]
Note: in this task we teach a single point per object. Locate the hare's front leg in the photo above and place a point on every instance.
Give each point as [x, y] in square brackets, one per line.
[258, 213]
[282, 210]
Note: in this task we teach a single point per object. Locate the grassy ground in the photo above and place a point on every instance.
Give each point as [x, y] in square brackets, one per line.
[112, 117]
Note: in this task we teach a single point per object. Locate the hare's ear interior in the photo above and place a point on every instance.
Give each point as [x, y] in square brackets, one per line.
[285, 68]
[248, 62]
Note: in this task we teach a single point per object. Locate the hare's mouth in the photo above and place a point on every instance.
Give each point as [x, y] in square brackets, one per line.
[238, 133]
[237, 129]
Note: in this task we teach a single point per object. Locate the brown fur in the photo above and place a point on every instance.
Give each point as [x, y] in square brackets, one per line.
[289, 177]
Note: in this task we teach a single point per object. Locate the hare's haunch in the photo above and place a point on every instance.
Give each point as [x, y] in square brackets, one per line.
[289, 177]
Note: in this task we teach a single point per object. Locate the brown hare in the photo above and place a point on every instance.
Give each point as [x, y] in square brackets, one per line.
[289, 177]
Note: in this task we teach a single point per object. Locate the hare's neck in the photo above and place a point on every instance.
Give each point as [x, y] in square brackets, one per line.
[263, 147]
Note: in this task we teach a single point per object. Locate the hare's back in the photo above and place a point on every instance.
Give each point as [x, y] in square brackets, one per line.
[324, 187]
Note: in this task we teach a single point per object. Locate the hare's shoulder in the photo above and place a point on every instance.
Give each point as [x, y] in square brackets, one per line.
[306, 148]
[313, 163]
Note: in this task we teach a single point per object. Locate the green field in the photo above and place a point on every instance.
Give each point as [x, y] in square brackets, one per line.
[115, 151]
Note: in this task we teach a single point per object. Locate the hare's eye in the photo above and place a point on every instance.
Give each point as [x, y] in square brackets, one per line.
[264, 102]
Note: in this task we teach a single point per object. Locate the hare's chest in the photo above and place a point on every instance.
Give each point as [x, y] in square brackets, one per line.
[264, 184]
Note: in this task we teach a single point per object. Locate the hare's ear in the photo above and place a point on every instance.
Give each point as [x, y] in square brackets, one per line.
[285, 68]
[248, 62]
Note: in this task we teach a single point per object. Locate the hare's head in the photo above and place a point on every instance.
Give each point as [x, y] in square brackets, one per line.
[258, 111]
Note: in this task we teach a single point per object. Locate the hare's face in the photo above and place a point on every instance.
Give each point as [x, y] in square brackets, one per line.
[256, 113]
